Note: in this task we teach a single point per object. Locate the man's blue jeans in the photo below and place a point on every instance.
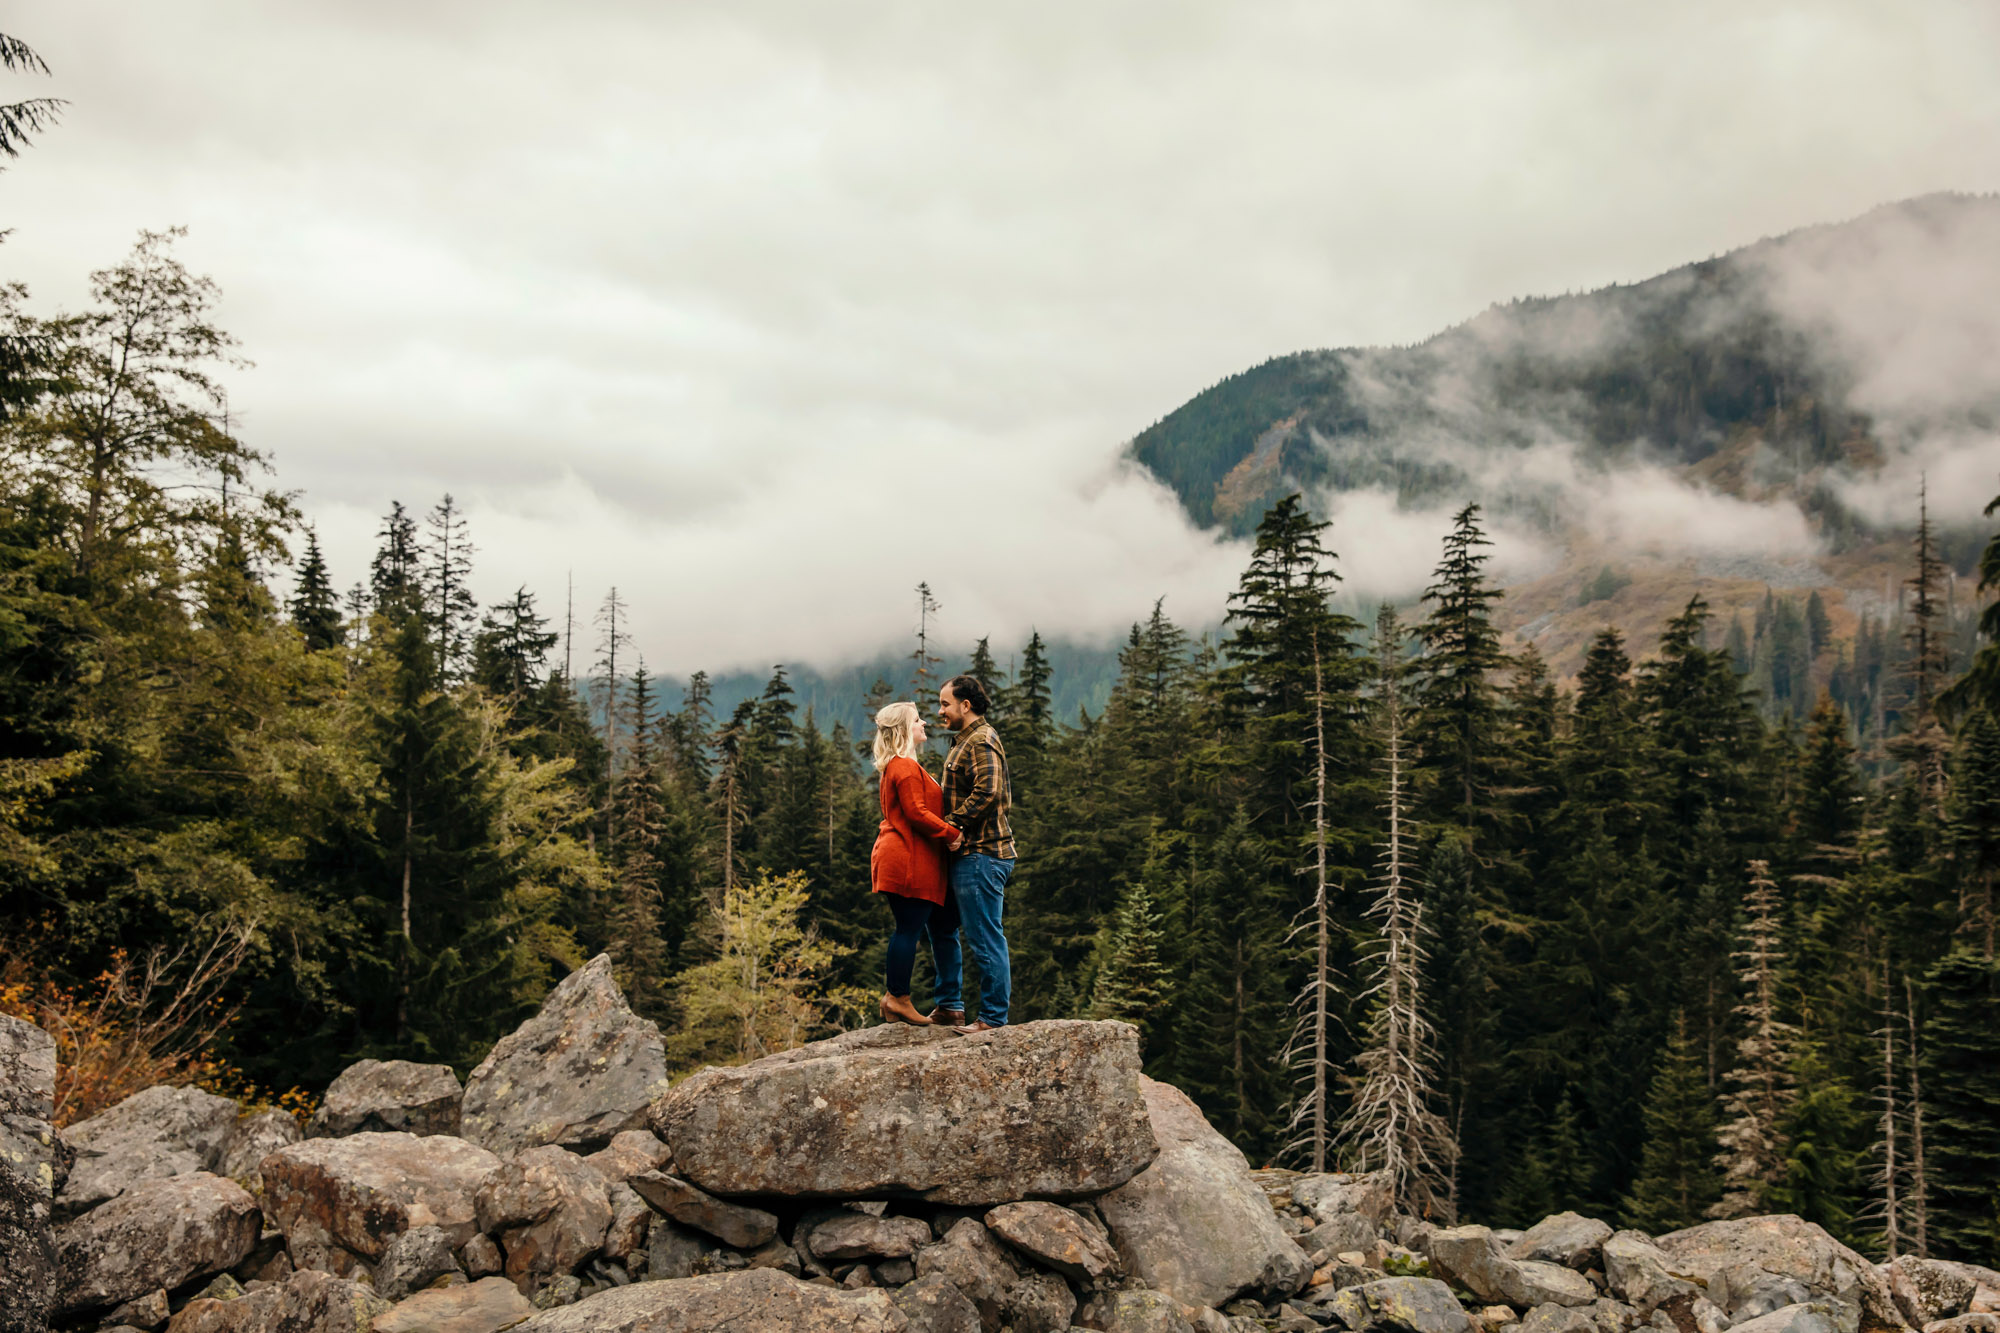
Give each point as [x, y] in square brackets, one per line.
[977, 901]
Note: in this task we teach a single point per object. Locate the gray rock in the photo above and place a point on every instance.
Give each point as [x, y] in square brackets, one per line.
[306, 1302]
[933, 1305]
[732, 1224]
[1790, 1247]
[158, 1234]
[888, 1273]
[388, 1097]
[1926, 1292]
[254, 1138]
[1194, 1224]
[631, 1219]
[971, 1260]
[412, 1261]
[1140, 1311]
[160, 1132]
[851, 1236]
[1344, 1233]
[576, 1074]
[1985, 1282]
[1635, 1270]
[1745, 1291]
[550, 1210]
[34, 1163]
[1981, 1322]
[481, 1256]
[675, 1251]
[1056, 1237]
[631, 1153]
[485, 1306]
[755, 1300]
[923, 1112]
[1569, 1239]
[1417, 1304]
[340, 1201]
[1039, 1303]
[148, 1311]
[1808, 1317]
[1468, 1257]
[563, 1289]
[1327, 1196]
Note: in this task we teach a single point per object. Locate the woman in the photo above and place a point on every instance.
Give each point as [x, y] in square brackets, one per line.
[907, 867]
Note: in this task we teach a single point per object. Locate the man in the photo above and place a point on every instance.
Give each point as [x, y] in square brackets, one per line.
[976, 801]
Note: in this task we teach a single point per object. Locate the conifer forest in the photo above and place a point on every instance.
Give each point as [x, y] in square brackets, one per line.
[1372, 891]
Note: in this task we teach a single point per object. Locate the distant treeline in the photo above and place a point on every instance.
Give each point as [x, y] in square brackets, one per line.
[1649, 955]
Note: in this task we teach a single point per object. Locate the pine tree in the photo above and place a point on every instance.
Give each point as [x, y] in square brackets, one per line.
[1972, 823]
[395, 575]
[1458, 982]
[451, 609]
[1312, 1120]
[1677, 1183]
[924, 660]
[1030, 721]
[637, 942]
[1390, 1125]
[1923, 742]
[1457, 697]
[986, 671]
[314, 606]
[1132, 984]
[510, 652]
[1761, 1085]
[1961, 1032]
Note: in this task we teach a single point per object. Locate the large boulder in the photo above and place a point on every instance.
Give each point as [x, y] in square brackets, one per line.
[388, 1096]
[1807, 1317]
[1330, 1194]
[305, 1302]
[753, 1300]
[414, 1260]
[1985, 1283]
[1140, 1311]
[1786, 1246]
[340, 1201]
[550, 1209]
[254, 1138]
[576, 1074]
[730, 1223]
[1926, 1292]
[158, 1234]
[1569, 1239]
[850, 1236]
[1033, 1110]
[933, 1305]
[485, 1306]
[631, 1153]
[162, 1131]
[970, 1259]
[1418, 1304]
[1636, 1272]
[34, 1162]
[1470, 1257]
[1194, 1224]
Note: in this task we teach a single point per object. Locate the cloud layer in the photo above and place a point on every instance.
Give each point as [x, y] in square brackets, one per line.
[764, 313]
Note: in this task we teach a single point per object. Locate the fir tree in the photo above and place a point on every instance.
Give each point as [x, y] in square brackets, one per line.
[1457, 697]
[451, 609]
[1961, 1032]
[924, 660]
[510, 652]
[1923, 742]
[1972, 823]
[1458, 982]
[1761, 1085]
[1132, 984]
[314, 606]
[1677, 1183]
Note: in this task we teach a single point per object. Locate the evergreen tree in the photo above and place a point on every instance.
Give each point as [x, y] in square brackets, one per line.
[1457, 697]
[1762, 1088]
[1677, 1183]
[1030, 721]
[1972, 823]
[1923, 742]
[314, 606]
[924, 660]
[511, 651]
[1133, 985]
[451, 609]
[1961, 1079]
[395, 576]
[1458, 982]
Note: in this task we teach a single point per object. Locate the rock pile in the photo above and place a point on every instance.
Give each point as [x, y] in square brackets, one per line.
[895, 1179]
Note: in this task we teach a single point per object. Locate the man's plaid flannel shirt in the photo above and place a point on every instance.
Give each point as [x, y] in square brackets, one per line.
[976, 792]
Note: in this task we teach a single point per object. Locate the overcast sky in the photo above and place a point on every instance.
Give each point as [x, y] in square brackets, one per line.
[764, 312]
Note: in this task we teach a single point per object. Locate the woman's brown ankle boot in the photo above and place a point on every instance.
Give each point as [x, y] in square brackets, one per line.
[898, 1009]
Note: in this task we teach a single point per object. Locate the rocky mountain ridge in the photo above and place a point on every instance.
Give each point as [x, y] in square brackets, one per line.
[895, 1179]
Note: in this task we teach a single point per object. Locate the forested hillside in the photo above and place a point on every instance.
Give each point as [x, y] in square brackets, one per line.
[1623, 947]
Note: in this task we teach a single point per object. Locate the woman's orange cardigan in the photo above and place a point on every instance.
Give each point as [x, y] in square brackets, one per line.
[909, 848]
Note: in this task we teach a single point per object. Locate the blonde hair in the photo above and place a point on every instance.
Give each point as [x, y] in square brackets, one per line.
[895, 732]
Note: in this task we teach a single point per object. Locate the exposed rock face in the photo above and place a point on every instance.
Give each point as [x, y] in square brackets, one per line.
[1048, 1110]
[933, 1305]
[755, 1300]
[1985, 1282]
[1419, 1304]
[1056, 1237]
[412, 1261]
[341, 1200]
[852, 1236]
[1341, 1234]
[485, 1306]
[1329, 1195]
[388, 1097]
[1469, 1257]
[1790, 1247]
[730, 1223]
[632, 1152]
[971, 1260]
[34, 1162]
[305, 1302]
[1039, 1303]
[550, 1209]
[1635, 1270]
[253, 1139]
[1569, 1239]
[162, 1131]
[576, 1074]
[158, 1234]
[1194, 1224]
[1813, 1317]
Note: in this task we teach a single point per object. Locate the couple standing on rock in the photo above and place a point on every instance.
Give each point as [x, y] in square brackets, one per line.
[943, 857]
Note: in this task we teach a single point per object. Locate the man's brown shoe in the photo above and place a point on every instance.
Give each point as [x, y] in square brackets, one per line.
[898, 1009]
[981, 1026]
[949, 1018]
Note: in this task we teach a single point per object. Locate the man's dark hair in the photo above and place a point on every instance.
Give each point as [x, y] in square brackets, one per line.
[967, 689]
